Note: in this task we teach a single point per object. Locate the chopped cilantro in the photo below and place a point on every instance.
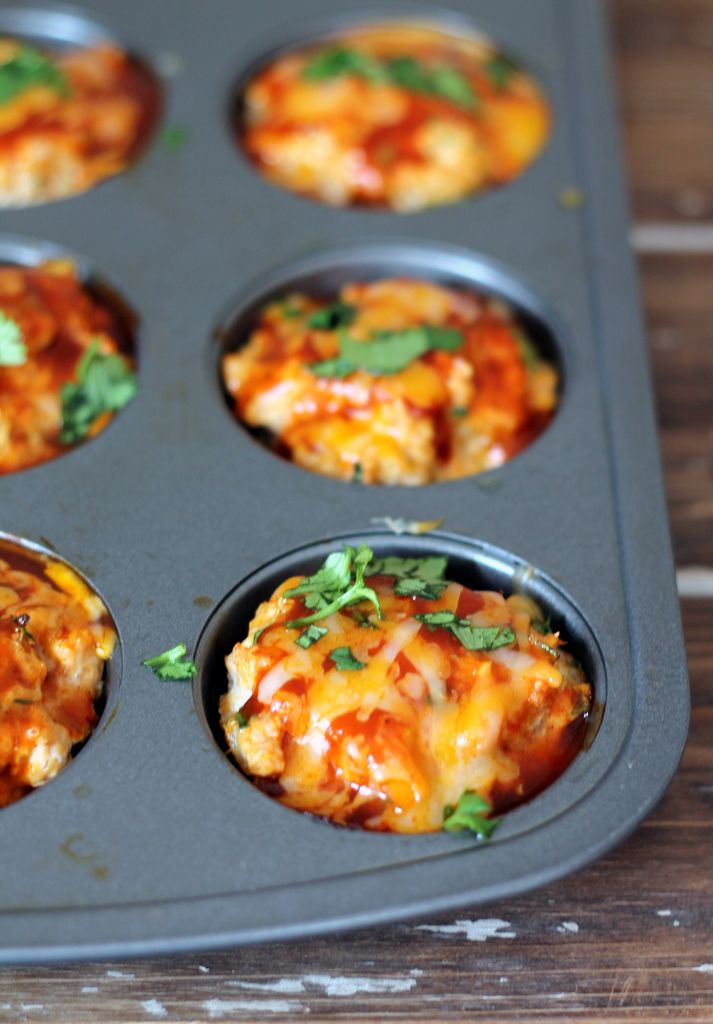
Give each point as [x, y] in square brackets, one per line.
[105, 383]
[329, 318]
[13, 351]
[459, 411]
[172, 664]
[387, 351]
[27, 69]
[335, 61]
[405, 72]
[415, 577]
[358, 474]
[174, 137]
[499, 70]
[257, 634]
[473, 638]
[21, 700]
[543, 626]
[345, 660]
[528, 353]
[469, 816]
[363, 620]
[310, 636]
[241, 720]
[339, 582]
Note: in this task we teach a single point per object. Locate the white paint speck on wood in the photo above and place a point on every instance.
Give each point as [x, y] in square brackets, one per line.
[703, 968]
[155, 1008]
[332, 985]
[566, 927]
[694, 581]
[474, 931]
[219, 1008]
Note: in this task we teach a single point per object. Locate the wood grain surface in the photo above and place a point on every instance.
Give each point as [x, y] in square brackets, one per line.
[631, 938]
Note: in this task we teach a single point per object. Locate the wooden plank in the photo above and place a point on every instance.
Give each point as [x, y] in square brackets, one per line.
[664, 67]
[678, 303]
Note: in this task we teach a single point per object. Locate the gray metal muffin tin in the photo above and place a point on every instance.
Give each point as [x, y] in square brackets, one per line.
[151, 840]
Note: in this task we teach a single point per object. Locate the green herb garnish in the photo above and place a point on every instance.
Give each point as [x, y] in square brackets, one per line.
[172, 664]
[329, 318]
[415, 577]
[469, 816]
[339, 582]
[459, 411]
[174, 137]
[387, 351]
[13, 351]
[363, 620]
[358, 474]
[442, 80]
[105, 383]
[241, 720]
[405, 72]
[543, 626]
[499, 70]
[344, 660]
[29, 68]
[473, 638]
[528, 353]
[338, 60]
[310, 636]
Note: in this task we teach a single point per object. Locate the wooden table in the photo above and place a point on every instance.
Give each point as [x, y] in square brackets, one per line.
[630, 938]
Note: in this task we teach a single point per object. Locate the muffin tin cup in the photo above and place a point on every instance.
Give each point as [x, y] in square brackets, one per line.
[174, 507]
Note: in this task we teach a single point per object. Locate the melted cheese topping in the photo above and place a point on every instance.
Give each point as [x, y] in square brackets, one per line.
[59, 320]
[55, 636]
[447, 414]
[54, 145]
[348, 139]
[389, 746]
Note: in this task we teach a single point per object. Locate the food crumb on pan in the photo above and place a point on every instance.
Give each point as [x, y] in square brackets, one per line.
[378, 693]
[396, 381]
[55, 636]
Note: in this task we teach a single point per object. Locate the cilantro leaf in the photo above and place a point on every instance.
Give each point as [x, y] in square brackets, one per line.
[27, 68]
[172, 664]
[310, 636]
[387, 351]
[473, 638]
[105, 383]
[358, 474]
[469, 816]
[329, 318]
[338, 583]
[405, 72]
[499, 70]
[174, 137]
[414, 577]
[335, 61]
[443, 81]
[13, 351]
[345, 660]
[241, 719]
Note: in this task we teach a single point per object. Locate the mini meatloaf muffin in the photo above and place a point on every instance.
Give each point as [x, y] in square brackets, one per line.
[377, 693]
[68, 120]
[398, 382]
[62, 376]
[395, 116]
[55, 635]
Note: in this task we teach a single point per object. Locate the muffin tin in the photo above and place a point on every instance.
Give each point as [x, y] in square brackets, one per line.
[151, 840]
